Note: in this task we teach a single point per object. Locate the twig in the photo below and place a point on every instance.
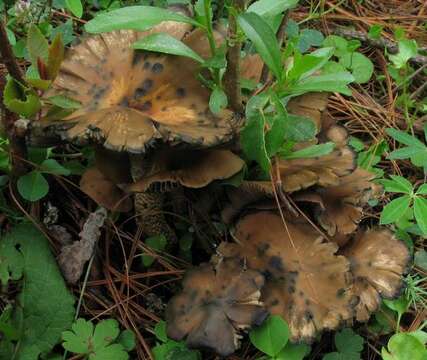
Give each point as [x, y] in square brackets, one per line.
[232, 74]
[280, 36]
[7, 55]
[382, 43]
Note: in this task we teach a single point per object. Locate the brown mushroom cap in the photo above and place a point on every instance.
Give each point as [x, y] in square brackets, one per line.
[130, 97]
[190, 168]
[378, 262]
[103, 191]
[306, 282]
[340, 207]
[215, 303]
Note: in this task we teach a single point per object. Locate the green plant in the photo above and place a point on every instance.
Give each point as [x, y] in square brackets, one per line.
[98, 342]
[154, 243]
[410, 345]
[167, 349]
[412, 201]
[349, 346]
[272, 338]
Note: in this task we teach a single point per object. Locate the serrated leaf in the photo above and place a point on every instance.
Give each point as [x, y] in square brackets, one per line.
[106, 331]
[166, 44]
[271, 336]
[264, 40]
[33, 186]
[78, 340]
[45, 306]
[395, 209]
[111, 352]
[218, 100]
[75, 6]
[37, 45]
[420, 212]
[270, 8]
[347, 341]
[134, 18]
[253, 141]
[52, 166]
[360, 66]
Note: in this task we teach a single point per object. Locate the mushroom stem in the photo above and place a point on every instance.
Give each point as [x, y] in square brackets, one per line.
[232, 74]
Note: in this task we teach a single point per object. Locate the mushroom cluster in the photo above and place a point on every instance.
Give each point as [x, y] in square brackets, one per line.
[304, 258]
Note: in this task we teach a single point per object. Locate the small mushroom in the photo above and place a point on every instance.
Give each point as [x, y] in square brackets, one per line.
[306, 282]
[378, 262]
[339, 208]
[217, 301]
[189, 168]
[103, 191]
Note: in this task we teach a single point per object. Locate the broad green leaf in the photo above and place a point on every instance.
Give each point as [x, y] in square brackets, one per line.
[347, 341]
[311, 151]
[110, 352]
[329, 82]
[39, 83]
[308, 64]
[271, 336]
[127, 339]
[24, 102]
[134, 18]
[398, 184]
[55, 56]
[299, 128]
[407, 50]
[293, 352]
[11, 36]
[106, 332]
[64, 102]
[75, 6]
[405, 138]
[52, 166]
[253, 141]
[218, 100]
[338, 43]
[404, 346]
[264, 40]
[375, 31]
[420, 212]
[406, 152]
[11, 262]
[160, 331]
[360, 66]
[166, 44]
[309, 38]
[79, 339]
[399, 305]
[395, 209]
[33, 186]
[275, 137]
[256, 104]
[422, 190]
[45, 306]
[270, 8]
[156, 243]
[37, 45]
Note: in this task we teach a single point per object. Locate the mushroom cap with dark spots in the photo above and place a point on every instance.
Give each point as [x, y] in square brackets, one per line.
[378, 262]
[217, 301]
[189, 168]
[306, 282]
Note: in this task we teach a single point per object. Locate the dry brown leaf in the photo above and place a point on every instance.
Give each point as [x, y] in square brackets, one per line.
[104, 192]
[216, 302]
[378, 262]
[306, 282]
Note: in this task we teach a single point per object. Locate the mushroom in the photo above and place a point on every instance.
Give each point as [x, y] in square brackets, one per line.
[378, 262]
[217, 301]
[307, 283]
[339, 208]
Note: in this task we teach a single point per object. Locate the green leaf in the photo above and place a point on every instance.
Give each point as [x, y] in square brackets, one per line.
[134, 18]
[75, 6]
[403, 346]
[253, 141]
[275, 137]
[78, 340]
[338, 43]
[218, 100]
[395, 209]
[347, 341]
[306, 65]
[398, 184]
[422, 190]
[420, 259]
[293, 352]
[11, 262]
[52, 166]
[111, 352]
[420, 212]
[311, 151]
[156, 243]
[329, 82]
[407, 50]
[106, 332]
[127, 340]
[405, 138]
[45, 306]
[166, 44]
[33, 186]
[270, 8]
[55, 56]
[37, 45]
[160, 331]
[271, 336]
[264, 40]
[20, 100]
[399, 305]
[406, 152]
[375, 31]
[360, 66]
[64, 102]
[309, 38]
[299, 128]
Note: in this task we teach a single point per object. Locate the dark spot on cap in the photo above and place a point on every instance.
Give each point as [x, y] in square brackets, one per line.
[308, 315]
[163, 108]
[276, 263]
[307, 302]
[140, 92]
[157, 68]
[147, 84]
[262, 248]
[147, 65]
[137, 57]
[146, 106]
[158, 97]
[180, 92]
[124, 102]
[340, 293]
[291, 289]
